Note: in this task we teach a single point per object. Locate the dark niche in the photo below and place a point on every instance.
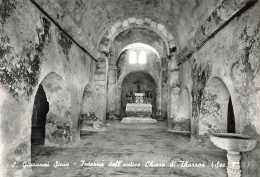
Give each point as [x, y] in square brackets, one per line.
[231, 118]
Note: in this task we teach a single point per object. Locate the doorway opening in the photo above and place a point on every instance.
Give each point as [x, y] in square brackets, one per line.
[40, 110]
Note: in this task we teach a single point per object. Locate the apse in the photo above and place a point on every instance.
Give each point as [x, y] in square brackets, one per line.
[138, 82]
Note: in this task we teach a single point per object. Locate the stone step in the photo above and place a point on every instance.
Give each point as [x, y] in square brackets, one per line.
[137, 120]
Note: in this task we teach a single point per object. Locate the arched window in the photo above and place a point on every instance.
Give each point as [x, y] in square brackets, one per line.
[132, 57]
[142, 57]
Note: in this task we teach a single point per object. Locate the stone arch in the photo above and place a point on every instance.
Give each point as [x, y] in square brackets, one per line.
[58, 120]
[151, 58]
[138, 35]
[139, 45]
[214, 107]
[133, 22]
[122, 77]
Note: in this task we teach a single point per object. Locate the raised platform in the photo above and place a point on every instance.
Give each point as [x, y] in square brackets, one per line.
[136, 120]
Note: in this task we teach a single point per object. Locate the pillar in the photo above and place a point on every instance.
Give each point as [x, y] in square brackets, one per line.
[173, 92]
[101, 88]
[112, 73]
[112, 79]
[233, 168]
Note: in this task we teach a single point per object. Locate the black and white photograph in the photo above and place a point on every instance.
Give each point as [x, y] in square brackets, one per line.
[129, 88]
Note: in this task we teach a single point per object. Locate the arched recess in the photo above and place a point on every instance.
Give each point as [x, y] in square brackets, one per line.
[215, 107]
[140, 45]
[138, 35]
[135, 81]
[58, 120]
[40, 110]
[152, 67]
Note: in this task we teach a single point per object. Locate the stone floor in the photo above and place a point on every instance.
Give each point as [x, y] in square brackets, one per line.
[139, 146]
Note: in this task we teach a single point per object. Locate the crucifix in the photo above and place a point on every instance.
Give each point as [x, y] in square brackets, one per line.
[138, 82]
[139, 97]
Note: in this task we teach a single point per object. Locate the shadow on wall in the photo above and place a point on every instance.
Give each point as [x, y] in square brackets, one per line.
[134, 81]
[216, 115]
[57, 131]
[87, 100]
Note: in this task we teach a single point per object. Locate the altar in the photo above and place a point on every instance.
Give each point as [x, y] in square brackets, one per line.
[139, 109]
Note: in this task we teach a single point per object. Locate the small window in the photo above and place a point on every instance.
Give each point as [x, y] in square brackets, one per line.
[132, 57]
[142, 57]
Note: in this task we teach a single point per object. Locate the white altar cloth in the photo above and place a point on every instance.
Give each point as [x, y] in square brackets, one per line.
[139, 94]
[135, 109]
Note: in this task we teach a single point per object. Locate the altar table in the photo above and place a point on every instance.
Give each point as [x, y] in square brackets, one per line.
[138, 109]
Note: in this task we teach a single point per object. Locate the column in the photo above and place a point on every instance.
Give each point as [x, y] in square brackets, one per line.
[174, 91]
[101, 88]
[112, 79]
[233, 168]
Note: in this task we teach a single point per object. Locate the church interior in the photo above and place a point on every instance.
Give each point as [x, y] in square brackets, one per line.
[130, 88]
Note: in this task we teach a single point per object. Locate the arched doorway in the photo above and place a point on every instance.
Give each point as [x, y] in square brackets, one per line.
[139, 81]
[40, 110]
[52, 112]
[216, 109]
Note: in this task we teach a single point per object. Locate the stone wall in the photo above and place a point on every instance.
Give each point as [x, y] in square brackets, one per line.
[33, 51]
[233, 57]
